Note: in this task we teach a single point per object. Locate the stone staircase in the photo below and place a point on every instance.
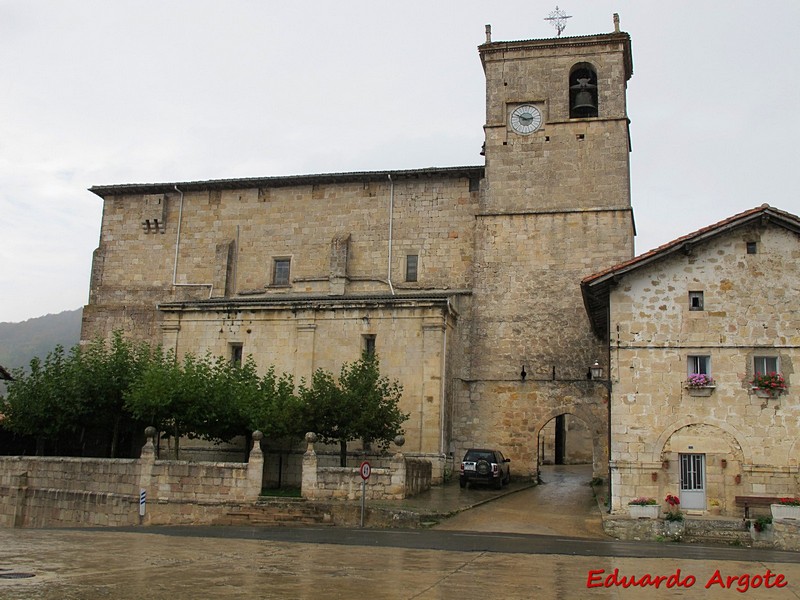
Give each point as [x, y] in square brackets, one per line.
[276, 513]
[712, 530]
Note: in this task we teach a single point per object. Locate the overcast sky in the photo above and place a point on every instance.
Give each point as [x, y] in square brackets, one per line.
[116, 91]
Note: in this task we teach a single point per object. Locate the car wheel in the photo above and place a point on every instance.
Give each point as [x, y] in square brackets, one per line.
[462, 482]
[498, 483]
[482, 467]
[508, 478]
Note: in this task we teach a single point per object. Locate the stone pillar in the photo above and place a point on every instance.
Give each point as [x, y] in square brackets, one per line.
[397, 468]
[147, 461]
[430, 410]
[340, 246]
[22, 494]
[169, 330]
[255, 467]
[304, 361]
[308, 486]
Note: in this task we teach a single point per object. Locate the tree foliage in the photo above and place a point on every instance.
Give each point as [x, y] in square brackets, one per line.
[94, 397]
[360, 405]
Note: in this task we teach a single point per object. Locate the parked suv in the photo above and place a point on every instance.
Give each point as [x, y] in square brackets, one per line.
[485, 466]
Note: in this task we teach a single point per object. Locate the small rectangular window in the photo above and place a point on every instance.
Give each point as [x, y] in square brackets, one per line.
[369, 345]
[280, 271]
[236, 354]
[752, 247]
[765, 364]
[695, 300]
[699, 365]
[412, 262]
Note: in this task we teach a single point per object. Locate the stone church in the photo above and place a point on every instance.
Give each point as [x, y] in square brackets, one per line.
[466, 281]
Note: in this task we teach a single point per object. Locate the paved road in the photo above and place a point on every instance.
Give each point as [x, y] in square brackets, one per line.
[563, 505]
[448, 562]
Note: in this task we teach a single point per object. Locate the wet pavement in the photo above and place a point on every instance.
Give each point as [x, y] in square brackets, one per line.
[458, 558]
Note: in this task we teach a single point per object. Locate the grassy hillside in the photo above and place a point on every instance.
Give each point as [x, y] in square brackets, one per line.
[20, 342]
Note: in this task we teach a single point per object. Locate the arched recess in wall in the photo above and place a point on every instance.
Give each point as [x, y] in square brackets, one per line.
[595, 427]
[712, 437]
[583, 93]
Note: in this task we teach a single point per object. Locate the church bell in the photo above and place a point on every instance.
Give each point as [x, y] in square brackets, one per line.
[584, 100]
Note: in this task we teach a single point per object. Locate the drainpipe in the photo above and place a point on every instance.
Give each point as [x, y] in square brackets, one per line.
[391, 217]
[177, 248]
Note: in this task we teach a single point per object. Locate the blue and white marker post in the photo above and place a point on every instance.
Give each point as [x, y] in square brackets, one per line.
[142, 504]
[365, 469]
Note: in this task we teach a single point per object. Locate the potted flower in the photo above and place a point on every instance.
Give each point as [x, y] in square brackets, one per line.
[768, 385]
[673, 525]
[643, 508]
[700, 384]
[760, 529]
[716, 507]
[787, 508]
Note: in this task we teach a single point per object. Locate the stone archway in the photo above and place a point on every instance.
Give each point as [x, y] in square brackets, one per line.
[718, 449]
[589, 441]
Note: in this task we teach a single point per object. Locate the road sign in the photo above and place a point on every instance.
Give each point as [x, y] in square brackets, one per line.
[365, 470]
[142, 501]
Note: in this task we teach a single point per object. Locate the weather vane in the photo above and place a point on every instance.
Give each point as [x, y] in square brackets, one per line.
[558, 19]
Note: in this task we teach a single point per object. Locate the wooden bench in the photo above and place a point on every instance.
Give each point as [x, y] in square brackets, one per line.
[748, 502]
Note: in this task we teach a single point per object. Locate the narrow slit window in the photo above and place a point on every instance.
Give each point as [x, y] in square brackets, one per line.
[369, 345]
[695, 300]
[412, 265]
[752, 247]
[236, 354]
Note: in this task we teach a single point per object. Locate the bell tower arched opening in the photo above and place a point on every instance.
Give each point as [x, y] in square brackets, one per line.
[583, 91]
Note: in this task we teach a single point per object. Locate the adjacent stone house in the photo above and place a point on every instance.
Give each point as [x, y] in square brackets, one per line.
[688, 326]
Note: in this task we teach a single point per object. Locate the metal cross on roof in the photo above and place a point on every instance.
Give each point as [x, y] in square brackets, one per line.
[558, 19]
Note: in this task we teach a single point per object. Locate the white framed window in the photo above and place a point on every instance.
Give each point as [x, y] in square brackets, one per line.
[766, 364]
[699, 364]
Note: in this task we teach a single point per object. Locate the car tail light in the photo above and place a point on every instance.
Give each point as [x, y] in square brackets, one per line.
[495, 468]
[462, 468]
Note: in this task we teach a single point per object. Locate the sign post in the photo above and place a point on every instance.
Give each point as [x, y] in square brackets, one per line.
[142, 504]
[365, 469]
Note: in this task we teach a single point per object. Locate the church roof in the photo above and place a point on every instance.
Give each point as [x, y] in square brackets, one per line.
[596, 288]
[288, 180]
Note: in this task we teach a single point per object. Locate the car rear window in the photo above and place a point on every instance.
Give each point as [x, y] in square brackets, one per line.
[473, 456]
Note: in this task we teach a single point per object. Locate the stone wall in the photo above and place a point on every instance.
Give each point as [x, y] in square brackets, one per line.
[68, 492]
[401, 478]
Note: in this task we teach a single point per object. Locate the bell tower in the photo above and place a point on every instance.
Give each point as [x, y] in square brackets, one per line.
[554, 208]
[556, 123]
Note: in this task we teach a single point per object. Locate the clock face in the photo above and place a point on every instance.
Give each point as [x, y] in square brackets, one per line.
[526, 119]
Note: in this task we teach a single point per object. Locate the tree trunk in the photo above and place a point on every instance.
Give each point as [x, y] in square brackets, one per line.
[342, 453]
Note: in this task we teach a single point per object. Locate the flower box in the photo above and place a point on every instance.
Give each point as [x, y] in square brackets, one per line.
[701, 391]
[785, 511]
[644, 511]
[767, 393]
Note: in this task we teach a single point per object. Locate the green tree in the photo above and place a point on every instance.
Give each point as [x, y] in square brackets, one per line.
[105, 371]
[172, 396]
[44, 402]
[360, 405]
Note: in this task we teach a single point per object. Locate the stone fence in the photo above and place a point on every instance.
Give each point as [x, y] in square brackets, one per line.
[69, 492]
[55, 491]
[403, 477]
